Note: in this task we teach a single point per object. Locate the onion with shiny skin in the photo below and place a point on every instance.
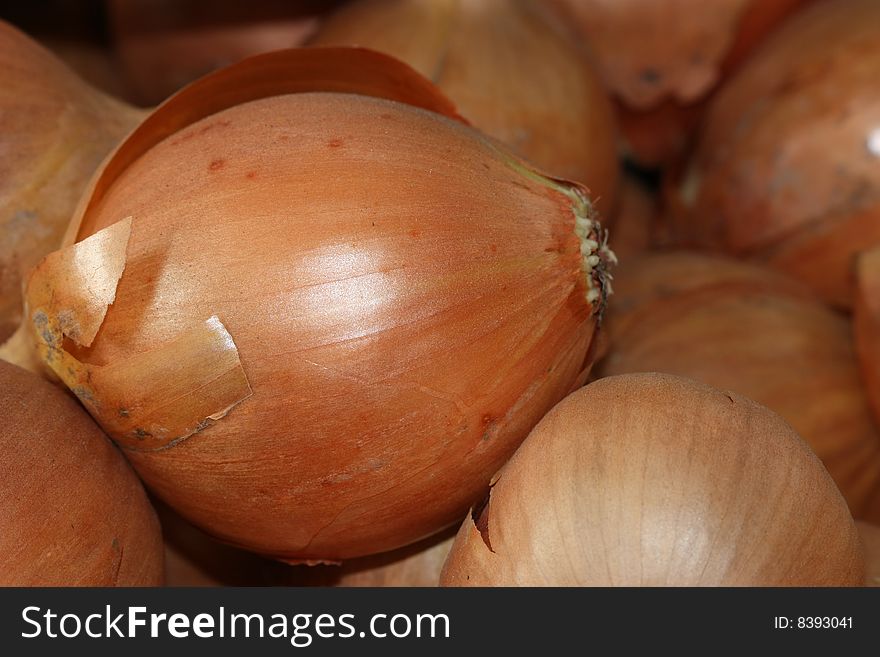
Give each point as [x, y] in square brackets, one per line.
[406, 300]
[787, 168]
[654, 480]
[54, 132]
[73, 513]
[740, 327]
[510, 71]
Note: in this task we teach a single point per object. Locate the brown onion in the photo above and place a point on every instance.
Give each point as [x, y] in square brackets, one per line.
[740, 327]
[333, 316]
[787, 170]
[635, 222]
[54, 131]
[870, 535]
[654, 480]
[509, 70]
[866, 324]
[73, 512]
[163, 45]
[660, 58]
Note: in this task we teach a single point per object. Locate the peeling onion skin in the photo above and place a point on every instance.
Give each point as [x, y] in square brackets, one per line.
[690, 485]
[54, 131]
[509, 69]
[740, 327]
[787, 167]
[74, 514]
[418, 303]
[870, 535]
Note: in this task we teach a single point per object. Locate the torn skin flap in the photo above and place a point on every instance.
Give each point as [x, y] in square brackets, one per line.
[148, 400]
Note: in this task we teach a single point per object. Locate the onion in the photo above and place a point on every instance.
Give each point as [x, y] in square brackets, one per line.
[74, 514]
[636, 219]
[739, 327]
[509, 70]
[163, 45]
[870, 535]
[336, 315]
[866, 325]
[787, 170]
[54, 131]
[661, 58]
[653, 480]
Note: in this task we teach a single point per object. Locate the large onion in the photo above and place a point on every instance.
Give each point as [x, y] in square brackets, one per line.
[652, 480]
[740, 327]
[508, 69]
[337, 314]
[72, 513]
[787, 170]
[662, 57]
[54, 131]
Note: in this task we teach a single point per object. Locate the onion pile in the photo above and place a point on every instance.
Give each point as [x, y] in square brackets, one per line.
[787, 170]
[54, 131]
[318, 321]
[739, 327]
[662, 57]
[73, 513]
[509, 70]
[653, 480]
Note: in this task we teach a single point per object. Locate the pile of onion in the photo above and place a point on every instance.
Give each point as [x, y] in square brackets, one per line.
[54, 132]
[510, 71]
[740, 327]
[73, 513]
[316, 315]
[661, 58]
[787, 169]
[654, 480]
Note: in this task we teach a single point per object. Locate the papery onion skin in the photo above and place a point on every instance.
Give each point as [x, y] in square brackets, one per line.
[510, 71]
[54, 132]
[407, 300]
[870, 535]
[654, 480]
[787, 167]
[740, 327]
[74, 513]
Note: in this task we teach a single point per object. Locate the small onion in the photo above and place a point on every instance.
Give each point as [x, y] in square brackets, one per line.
[73, 512]
[870, 535]
[509, 70]
[661, 58]
[787, 169]
[163, 45]
[739, 327]
[54, 132]
[654, 480]
[333, 316]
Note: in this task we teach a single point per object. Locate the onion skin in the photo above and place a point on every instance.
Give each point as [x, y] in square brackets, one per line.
[419, 303]
[739, 327]
[54, 132]
[787, 168]
[690, 485]
[510, 71]
[870, 535]
[75, 515]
